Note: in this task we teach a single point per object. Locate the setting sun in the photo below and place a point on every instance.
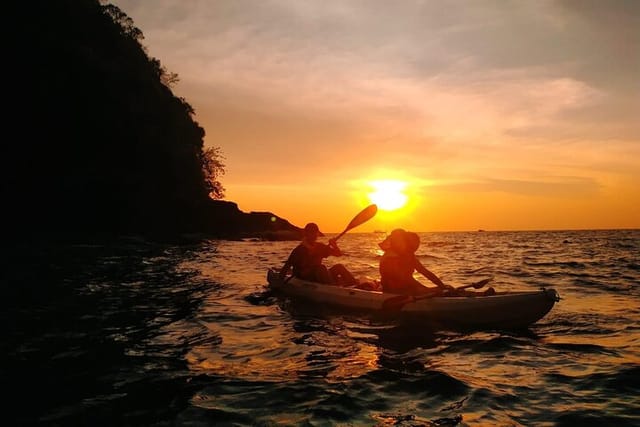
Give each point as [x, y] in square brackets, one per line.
[388, 194]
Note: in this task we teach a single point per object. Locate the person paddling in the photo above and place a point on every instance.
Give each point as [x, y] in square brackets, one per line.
[399, 262]
[306, 260]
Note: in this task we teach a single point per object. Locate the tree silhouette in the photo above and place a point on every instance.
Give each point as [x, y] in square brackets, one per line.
[101, 142]
[213, 169]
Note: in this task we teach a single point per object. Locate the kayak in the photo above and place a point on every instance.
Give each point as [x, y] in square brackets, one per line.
[500, 310]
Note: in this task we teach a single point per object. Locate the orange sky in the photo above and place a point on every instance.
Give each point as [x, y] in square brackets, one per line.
[497, 115]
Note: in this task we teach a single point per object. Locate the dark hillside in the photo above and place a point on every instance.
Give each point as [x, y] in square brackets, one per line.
[96, 141]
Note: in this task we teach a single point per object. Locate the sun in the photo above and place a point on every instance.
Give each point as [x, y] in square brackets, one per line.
[388, 194]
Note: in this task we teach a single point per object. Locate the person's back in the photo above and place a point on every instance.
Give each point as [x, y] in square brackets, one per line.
[391, 278]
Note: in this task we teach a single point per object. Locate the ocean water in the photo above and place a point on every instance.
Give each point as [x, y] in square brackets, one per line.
[136, 333]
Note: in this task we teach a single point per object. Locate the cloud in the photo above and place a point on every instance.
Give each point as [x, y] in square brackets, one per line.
[341, 54]
[607, 40]
[409, 83]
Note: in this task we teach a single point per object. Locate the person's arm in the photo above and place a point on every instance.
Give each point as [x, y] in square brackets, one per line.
[285, 268]
[287, 265]
[333, 248]
[428, 274]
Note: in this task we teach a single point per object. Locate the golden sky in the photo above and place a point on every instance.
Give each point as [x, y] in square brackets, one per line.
[498, 115]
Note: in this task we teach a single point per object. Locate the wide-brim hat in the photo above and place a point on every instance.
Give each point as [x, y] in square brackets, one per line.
[312, 227]
[395, 240]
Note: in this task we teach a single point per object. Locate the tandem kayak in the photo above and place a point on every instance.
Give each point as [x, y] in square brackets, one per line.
[502, 310]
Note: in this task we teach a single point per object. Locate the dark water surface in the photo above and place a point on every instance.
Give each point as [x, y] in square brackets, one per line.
[134, 333]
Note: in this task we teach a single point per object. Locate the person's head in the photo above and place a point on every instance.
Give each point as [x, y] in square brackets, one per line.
[412, 241]
[311, 232]
[395, 241]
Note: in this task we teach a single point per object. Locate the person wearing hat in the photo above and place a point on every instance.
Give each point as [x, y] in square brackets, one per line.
[306, 260]
[399, 262]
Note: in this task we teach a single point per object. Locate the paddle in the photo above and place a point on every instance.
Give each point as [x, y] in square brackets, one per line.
[477, 285]
[396, 303]
[365, 215]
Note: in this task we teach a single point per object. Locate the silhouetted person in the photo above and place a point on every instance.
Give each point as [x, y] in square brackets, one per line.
[306, 260]
[399, 262]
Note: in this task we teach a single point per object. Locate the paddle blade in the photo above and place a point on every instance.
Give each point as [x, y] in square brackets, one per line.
[365, 215]
[482, 282]
[476, 285]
